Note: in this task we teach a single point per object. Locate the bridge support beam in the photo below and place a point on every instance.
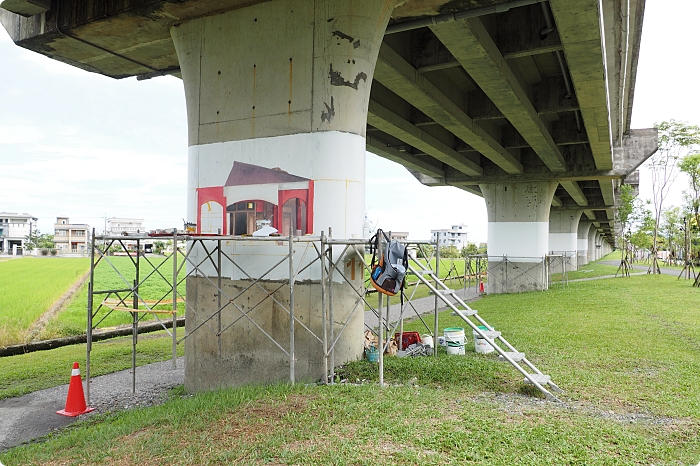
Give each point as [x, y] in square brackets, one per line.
[584, 226]
[277, 96]
[563, 227]
[518, 234]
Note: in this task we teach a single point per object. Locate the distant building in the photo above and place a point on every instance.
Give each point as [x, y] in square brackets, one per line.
[118, 226]
[70, 237]
[455, 236]
[398, 235]
[14, 229]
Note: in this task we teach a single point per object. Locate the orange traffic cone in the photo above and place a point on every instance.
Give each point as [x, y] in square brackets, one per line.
[75, 402]
[481, 286]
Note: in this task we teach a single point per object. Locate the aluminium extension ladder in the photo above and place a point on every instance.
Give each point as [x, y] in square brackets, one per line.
[494, 338]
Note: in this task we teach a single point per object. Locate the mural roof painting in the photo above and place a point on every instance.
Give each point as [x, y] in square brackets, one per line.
[246, 174]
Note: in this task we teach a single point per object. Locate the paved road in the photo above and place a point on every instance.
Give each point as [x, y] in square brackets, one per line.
[33, 416]
[420, 306]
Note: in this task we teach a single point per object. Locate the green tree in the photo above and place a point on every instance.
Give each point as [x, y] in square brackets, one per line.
[470, 250]
[36, 239]
[676, 139]
[450, 251]
[158, 247]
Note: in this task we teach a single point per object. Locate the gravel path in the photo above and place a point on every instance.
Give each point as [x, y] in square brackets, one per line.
[32, 416]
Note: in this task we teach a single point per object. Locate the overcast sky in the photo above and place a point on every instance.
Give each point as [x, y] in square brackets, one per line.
[85, 146]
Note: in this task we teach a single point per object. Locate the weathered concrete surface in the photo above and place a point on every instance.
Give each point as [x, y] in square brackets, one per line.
[245, 354]
[518, 234]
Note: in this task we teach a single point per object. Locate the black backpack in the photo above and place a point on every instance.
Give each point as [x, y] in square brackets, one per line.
[389, 270]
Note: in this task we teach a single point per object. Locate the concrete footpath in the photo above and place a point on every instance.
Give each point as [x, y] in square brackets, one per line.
[33, 416]
[413, 308]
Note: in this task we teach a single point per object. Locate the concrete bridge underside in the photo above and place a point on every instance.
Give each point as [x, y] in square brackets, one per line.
[526, 103]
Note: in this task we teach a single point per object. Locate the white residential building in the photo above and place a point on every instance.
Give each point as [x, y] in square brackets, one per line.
[14, 229]
[69, 237]
[455, 236]
[119, 226]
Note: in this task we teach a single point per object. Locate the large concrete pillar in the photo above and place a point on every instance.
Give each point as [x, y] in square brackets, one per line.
[591, 243]
[518, 234]
[598, 246]
[277, 96]
[563, 228]
[584, 227]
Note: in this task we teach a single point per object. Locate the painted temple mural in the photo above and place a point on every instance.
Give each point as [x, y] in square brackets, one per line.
[254, 197]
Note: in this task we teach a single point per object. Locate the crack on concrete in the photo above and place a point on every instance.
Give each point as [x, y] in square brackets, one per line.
[329, 112]
[342, 35]
[338, 80]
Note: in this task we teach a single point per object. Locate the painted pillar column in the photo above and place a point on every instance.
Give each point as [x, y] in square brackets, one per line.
[277, 96]
[563, 227]
[598, 246]
[591, 242]
[584, 226]
[518, 234]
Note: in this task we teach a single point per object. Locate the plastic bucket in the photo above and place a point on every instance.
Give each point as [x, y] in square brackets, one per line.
[427, 340]
[372, 354]
[455, 340]
[481, 345]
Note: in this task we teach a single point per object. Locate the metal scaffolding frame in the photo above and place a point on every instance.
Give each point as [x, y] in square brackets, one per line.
[322, 251]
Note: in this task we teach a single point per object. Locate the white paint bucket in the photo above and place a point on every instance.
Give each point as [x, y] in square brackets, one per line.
[427, 340]
[455, 340]
[480, 344]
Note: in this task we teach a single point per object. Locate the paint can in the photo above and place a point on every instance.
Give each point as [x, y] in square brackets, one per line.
[455, 340]
[480, 344]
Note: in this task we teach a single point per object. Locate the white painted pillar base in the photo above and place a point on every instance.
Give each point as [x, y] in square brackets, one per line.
[584, 226]
[277, 95]
[563, 226]
[518, 235]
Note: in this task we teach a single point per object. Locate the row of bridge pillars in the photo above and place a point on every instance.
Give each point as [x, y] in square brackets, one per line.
[277, 96]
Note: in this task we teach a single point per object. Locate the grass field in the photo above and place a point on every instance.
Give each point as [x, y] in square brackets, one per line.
[29, 286]
[73, 319]
[624, 350]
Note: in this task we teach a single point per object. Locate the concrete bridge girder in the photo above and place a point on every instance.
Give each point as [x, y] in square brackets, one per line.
[516, 91]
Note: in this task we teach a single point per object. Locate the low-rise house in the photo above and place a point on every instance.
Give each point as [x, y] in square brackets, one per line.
[14, 229]
[70, 237]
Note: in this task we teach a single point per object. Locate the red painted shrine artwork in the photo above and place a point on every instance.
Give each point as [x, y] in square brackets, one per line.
[255, 196]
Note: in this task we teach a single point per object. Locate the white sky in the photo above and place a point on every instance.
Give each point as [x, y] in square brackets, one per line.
[85, 146]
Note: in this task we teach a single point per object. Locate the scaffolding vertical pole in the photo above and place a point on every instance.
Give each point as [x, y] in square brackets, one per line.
[291, 303]
[136, 319]
[324, 321]
[218, 296]
[331, 322]
[437, 286]
[380, 330]
[88, 346]
[174, 256]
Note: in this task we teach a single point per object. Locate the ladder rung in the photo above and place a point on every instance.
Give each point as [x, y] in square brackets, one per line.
[515, 356]
[466, 312]
[446, 291]
[539, 378]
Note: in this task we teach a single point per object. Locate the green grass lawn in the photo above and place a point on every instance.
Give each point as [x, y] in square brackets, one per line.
[73, 320]
[624, 350]
[29, 286]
